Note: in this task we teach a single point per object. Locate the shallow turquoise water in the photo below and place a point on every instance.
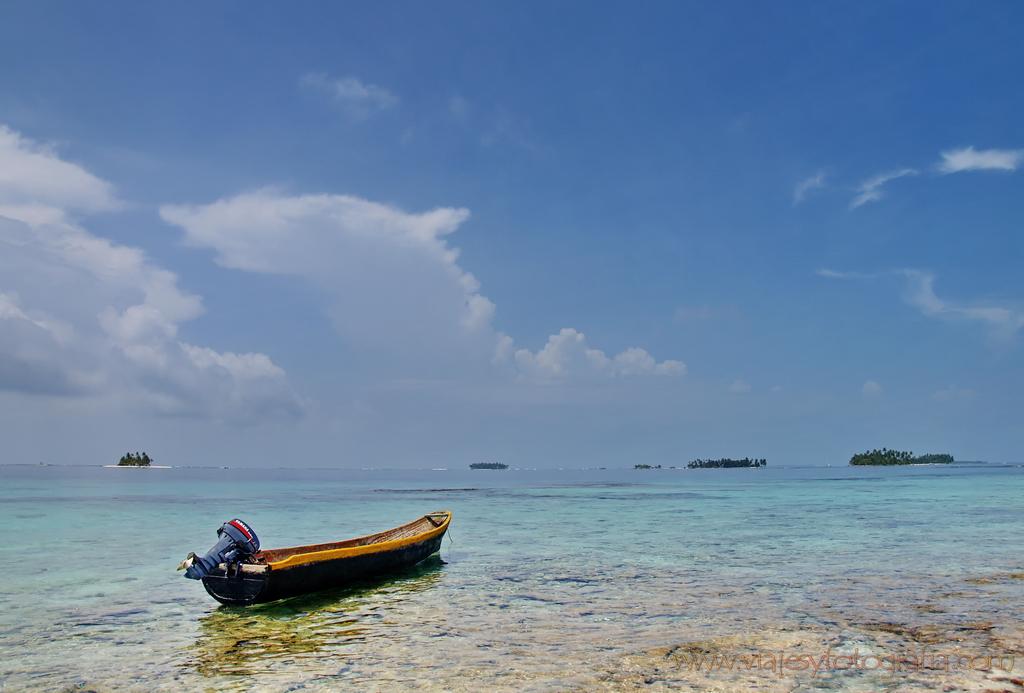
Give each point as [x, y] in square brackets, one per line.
[550, 579]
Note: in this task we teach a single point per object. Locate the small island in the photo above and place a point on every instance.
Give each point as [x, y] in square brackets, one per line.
[488, 465]
[136, 460]
[886, 457]
[727, 463]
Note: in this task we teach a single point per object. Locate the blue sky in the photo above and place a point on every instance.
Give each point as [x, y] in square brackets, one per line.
[572, 234]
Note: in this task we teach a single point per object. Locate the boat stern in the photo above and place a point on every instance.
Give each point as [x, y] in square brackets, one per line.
[237, 584]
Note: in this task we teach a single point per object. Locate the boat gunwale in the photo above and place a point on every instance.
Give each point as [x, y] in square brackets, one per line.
[363, 545]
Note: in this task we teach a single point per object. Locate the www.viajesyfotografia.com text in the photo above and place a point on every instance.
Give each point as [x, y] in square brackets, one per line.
[887, 665]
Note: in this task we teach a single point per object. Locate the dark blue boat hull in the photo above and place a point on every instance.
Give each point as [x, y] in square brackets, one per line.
[255, 584]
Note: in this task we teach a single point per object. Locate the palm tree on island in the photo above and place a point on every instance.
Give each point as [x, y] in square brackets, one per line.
[136, 460]
[726, 463]
[886, 458]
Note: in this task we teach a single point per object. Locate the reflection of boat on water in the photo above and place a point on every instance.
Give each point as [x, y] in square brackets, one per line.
[236, 572]
[315, 628]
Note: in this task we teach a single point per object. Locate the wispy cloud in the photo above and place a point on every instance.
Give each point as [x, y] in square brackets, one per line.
[969, 159]
[1001, 321]
[953, 161]
[354, 98]
[954, 394]
[871, 189]
[805, 186]
[506, 127]
[832, 274]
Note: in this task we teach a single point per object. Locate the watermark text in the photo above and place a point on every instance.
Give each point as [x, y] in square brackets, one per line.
[888, 665]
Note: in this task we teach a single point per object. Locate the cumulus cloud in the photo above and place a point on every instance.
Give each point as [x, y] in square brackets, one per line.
[567, 355]
[969, 159]
[356, 99]
[81, 315]
[635, 361]
[805, 186]
[871, 189]
[393, 284]
[36, 185]
[33, 354]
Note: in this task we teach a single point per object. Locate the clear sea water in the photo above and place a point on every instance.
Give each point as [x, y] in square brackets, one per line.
[568, 580]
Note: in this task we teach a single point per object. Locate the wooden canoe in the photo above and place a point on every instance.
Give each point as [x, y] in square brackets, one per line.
[279, 573]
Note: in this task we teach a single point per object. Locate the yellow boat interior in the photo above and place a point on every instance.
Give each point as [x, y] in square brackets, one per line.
[424, 528]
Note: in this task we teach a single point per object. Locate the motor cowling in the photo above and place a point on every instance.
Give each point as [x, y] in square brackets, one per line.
[236, 542]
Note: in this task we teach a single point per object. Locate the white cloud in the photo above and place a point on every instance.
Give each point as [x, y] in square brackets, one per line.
[969, 159]
[393, 283]
[1002, 322]
[739, 387]
[505, 350]
[358, 100]
[34, 353]
[871, 390]
[871, 189]
[566, 355]
[81, 315]
[394, 286]
[35, 184]
[103, 321]
[805, 186]
[634, 361]
[832, 274]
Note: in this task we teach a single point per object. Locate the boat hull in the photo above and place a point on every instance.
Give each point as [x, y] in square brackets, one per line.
[245, 584]
[228, 585]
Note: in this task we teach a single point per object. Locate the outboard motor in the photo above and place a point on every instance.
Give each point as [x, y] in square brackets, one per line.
[237, 542]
